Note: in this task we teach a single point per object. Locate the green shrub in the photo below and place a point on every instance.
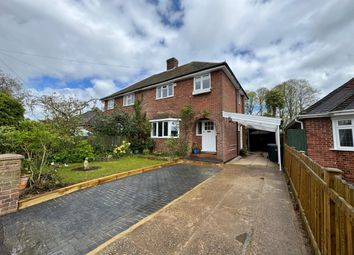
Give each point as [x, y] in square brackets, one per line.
[75, 151]
[177, 147]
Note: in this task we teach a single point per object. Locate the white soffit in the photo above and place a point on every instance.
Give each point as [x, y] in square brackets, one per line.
[255, 122]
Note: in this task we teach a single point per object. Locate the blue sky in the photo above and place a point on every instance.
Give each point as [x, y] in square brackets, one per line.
[90, 48]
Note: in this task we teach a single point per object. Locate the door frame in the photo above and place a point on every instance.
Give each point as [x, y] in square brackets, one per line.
[203, 132]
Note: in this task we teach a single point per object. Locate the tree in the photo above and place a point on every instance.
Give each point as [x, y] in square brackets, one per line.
[11, 110]
[261, 94]
[10, 86]
[63, 113]
[112, 124]
[297, 94]
[138, 131]
[274, 100]
[251, 102]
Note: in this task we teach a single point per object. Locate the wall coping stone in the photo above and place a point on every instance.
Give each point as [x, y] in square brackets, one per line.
[10, 157]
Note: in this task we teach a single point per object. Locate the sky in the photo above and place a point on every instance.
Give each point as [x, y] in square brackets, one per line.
[90, 48]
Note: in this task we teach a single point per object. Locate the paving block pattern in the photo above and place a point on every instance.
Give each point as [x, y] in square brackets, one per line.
[79, 222]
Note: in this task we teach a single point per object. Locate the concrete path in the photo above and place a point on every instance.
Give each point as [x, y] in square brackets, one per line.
[254, 159]
[244, 209]
[79, 222]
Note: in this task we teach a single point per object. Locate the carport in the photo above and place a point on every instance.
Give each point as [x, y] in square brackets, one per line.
[258, 122]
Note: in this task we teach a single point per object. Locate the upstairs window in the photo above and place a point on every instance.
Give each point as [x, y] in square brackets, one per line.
[343, 133]
[110, 104]
[165, 128]
[202, 84]
[165, 91]
[129, 99]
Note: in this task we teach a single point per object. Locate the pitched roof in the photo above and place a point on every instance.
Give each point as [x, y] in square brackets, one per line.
[339, 99]
[190, 68]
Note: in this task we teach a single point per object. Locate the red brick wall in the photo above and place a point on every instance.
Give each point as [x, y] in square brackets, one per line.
[10, 169]
[320, 142]
[222, 96]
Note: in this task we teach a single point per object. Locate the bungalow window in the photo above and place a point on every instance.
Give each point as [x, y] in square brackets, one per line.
[164, 91]
[129, 99]
[110, 104]
[202, 84]
[343, 133]
[165, 128]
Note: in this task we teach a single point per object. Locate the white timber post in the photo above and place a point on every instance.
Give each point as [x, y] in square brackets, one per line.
[277, 137]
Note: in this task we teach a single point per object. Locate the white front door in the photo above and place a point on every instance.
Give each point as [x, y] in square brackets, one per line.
[209, 137]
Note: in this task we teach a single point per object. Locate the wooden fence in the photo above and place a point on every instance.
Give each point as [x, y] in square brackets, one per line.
[326, 203]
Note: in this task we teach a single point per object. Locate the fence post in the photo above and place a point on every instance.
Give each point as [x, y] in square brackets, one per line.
[330, 228]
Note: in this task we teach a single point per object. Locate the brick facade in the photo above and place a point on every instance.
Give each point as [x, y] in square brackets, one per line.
[10, 170]
[222, 97]
[319, 137]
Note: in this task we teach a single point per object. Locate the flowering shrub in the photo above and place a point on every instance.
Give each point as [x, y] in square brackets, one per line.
[122, 149]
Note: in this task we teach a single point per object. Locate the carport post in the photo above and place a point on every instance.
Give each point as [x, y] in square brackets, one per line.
[277, 137]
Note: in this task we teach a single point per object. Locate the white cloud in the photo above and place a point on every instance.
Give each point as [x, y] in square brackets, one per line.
[128, 40]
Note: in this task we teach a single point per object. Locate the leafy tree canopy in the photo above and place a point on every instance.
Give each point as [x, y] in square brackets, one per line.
[11, 110]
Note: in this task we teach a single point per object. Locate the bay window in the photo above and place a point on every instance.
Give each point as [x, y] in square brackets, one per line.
[165, 128]
[343, 133]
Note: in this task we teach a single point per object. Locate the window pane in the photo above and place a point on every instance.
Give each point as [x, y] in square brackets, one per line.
[170, 90]
[197, 83]
[344, 122]
[346, 137]
[159, 129]
[174, 128]
[158, 92]
[200, 128]
[164, 91]
[154, 129]
[206, 82]
[165, 128]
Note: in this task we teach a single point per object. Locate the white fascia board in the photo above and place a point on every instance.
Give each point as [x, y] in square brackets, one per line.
[327, 114]
[254, 118]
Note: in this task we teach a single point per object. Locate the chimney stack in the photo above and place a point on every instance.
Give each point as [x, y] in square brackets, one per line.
[171, 63]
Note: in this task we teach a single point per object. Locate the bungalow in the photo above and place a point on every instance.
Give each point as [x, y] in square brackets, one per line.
[329, 128]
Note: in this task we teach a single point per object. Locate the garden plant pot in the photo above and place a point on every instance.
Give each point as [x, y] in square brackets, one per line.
[195, 151]
[23, 182]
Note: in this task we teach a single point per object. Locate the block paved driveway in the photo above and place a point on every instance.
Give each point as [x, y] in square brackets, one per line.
[79, 222]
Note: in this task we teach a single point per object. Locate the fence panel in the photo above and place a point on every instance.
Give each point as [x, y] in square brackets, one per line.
[297, 138]
[326, 203]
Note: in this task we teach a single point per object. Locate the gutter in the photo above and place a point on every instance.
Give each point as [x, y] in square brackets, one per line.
[326, 114]
[301, 123]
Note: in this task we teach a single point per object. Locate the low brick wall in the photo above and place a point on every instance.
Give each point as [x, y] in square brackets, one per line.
[10, 171]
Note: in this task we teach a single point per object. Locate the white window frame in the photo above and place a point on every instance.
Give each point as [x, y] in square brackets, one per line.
[197, 129]
[129, 99]
[166, 86]
[201, 90]
[336, 127]
[110, 104]
[169, 126]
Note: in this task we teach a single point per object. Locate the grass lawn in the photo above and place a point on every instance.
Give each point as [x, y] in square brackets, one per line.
[107, 168]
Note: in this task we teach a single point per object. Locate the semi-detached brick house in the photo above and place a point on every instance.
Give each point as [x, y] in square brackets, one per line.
[329, 126]
[208, 87]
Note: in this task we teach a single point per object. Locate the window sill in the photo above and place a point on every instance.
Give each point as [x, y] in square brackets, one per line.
[165, 137]
[343, 149]
[128, 105]
[198, 92]
[164, 97]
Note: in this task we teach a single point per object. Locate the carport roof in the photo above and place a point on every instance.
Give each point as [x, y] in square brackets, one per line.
[255, 122]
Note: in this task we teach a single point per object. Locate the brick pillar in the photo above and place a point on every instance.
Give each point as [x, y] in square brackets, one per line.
[10, 171]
